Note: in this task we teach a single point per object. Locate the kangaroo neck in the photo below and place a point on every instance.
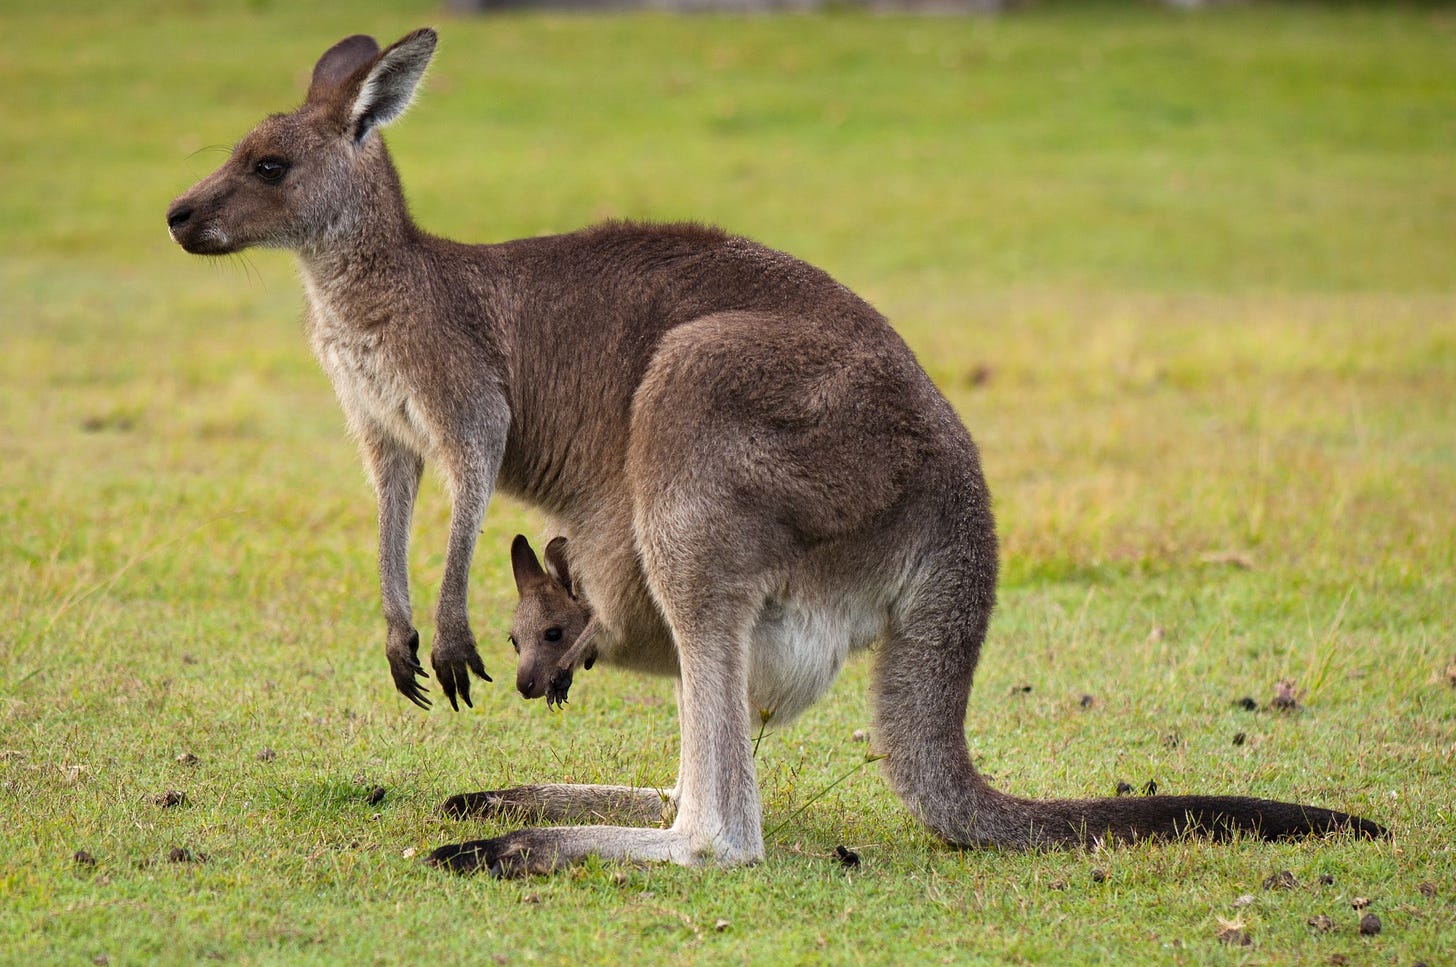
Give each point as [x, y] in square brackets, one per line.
[370, 243]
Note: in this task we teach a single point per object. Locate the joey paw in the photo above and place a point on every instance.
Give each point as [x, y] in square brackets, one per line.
[560, 685]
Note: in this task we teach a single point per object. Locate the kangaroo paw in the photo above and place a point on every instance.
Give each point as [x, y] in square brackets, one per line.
[468, 804]
[475, 856]
[560, 685]
[521, 853]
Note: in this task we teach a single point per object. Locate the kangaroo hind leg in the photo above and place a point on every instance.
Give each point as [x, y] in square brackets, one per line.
[719, 817]
[567, 803]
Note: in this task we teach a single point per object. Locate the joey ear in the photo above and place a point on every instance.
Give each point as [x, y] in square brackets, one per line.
[557, 566]
[339, 63]
[389, 86]
[524, 565]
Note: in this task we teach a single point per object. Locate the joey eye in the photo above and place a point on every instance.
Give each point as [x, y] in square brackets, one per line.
[271, 169]
[553, 634]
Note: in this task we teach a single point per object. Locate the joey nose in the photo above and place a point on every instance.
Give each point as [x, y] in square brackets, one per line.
[526, 686]
[178, 214]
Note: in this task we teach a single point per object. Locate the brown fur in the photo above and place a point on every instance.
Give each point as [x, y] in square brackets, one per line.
[756, 478]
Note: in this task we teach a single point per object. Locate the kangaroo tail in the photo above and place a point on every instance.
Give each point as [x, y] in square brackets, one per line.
[989, 817]
[923, 681]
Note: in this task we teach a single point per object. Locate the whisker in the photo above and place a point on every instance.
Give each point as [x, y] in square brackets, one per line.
[250, 271]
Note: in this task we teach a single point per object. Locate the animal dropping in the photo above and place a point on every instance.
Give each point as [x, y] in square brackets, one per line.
[755, 477]
[1286, 696]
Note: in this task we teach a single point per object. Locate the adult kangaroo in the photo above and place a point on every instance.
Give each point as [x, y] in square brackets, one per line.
[755, 475]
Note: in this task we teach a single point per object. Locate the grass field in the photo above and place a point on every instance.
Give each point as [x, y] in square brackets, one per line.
[1190, 280]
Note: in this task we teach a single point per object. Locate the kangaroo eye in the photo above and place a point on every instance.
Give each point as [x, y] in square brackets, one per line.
[553, 634]
[271, 169]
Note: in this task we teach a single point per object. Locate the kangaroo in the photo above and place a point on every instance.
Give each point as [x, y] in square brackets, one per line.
[553, 630]
[756, 477]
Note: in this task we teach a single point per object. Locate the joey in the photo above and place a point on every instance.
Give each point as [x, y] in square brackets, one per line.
[553, 629]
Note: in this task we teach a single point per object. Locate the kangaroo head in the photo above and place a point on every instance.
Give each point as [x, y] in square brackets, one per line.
[550, 617]
[305, 179]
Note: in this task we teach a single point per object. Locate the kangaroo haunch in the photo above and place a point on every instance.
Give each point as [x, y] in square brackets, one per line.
[756, 477]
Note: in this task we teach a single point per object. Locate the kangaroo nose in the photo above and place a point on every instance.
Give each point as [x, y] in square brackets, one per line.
[526, 686]
[178, 215]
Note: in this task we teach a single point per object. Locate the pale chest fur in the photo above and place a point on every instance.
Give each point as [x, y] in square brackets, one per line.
[371, 386]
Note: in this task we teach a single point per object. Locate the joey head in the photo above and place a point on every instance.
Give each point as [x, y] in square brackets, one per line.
[552, 630]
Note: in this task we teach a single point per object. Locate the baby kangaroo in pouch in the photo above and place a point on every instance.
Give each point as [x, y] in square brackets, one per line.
[553, 630]
[756, 478]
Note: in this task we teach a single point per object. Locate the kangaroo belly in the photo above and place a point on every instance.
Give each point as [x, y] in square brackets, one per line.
[797, 648]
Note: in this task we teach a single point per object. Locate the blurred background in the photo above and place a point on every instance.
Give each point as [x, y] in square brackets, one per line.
[1187, 270]
[1155, 253]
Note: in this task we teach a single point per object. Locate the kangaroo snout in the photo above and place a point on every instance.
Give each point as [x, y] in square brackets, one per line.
[180, 224]
[526, 684]
[178, 214]
[195, 232]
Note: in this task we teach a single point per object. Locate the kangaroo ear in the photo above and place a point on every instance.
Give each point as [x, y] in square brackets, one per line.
[557, 565]
[524, 565]
[339, 64]
[389, 86]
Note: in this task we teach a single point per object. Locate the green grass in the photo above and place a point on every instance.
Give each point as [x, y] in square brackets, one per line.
[1188, 278]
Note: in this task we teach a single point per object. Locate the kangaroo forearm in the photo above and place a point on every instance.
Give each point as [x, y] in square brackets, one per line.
[397, 481]
[454, 656]
[466, 516]
[582, 649]
[396, 474]
[474, 442]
